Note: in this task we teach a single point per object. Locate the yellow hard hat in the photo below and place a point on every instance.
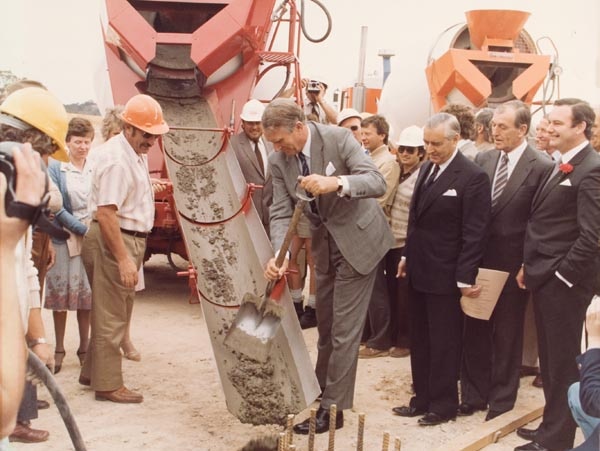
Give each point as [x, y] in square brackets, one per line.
[145, 113]
[42, 110]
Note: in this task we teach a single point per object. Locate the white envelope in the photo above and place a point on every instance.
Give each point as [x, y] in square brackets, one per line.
[451, 193]
[566, 182]
[330, 169]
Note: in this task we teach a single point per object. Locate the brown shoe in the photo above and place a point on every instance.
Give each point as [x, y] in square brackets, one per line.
[85, 381]
[41, 404]
[371, 353]
[121, 395]
[537, 381]
[24, 433]
[399, 352]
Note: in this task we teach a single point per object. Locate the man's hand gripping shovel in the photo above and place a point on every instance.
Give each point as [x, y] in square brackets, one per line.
[259, 318]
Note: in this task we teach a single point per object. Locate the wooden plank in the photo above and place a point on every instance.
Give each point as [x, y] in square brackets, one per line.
[491, 431]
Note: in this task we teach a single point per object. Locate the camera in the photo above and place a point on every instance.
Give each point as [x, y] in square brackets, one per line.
[313, 86]
[38, 215]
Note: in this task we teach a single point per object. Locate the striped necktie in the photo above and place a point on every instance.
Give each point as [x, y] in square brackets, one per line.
[306, 172]
[501, 179]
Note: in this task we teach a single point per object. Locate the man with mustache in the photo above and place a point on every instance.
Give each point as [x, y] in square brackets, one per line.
[122, 208]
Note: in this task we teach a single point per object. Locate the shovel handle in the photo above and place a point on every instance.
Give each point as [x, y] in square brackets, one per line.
[290, 233]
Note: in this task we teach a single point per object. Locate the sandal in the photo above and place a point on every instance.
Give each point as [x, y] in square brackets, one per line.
[81, 355]
[133, 354]
[58, 359]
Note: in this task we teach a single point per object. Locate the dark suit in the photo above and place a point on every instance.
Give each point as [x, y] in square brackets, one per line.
[445, 243]
[350, 237]
[244, 151]
[492, 349]
[562, 236]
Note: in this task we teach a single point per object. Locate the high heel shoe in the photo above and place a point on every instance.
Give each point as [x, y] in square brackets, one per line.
[81, 355]
[58, 359]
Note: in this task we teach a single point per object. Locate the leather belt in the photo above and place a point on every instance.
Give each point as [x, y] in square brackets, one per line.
[135, 234]
[131, 232]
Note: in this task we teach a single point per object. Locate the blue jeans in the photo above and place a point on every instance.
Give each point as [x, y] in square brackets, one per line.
[586, 422]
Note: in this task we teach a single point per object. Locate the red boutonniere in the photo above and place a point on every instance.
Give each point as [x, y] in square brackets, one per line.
[565, 168]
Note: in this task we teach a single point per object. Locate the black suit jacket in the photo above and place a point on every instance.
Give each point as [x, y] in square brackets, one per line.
[563, 232]
[447, 227]
[504, 251]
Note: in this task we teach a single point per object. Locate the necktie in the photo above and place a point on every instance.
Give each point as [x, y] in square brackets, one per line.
[501, 179]
[305, 172]
[431, 179]
[303, 164]
[554, 172]
[259, 158]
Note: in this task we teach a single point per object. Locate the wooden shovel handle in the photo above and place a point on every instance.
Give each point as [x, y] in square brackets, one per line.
[290, 233]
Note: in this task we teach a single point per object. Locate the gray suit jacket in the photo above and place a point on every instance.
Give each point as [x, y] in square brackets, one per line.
[504, 250]
[244, 151]
[355, 222]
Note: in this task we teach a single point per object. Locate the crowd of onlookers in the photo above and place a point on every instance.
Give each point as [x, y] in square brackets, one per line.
[393, 239]
[45, 262]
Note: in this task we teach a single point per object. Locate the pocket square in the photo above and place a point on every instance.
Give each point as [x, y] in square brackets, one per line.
[451, 193]
[330, 169]
[566, 182]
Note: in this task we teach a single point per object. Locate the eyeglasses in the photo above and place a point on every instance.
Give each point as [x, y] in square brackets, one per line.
[354, 127]
[408, 150]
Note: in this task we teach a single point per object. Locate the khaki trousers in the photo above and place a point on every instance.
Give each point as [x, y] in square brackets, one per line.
[111, 306]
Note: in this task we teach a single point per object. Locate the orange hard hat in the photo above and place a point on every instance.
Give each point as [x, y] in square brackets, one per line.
[145, 113]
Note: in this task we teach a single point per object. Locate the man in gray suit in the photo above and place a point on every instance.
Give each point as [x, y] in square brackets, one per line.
[252, 152]
[492, 349]
[350, 237]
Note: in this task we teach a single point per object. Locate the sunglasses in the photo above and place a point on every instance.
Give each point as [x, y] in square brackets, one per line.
[408, 150]
[354, 127]
[146, 135]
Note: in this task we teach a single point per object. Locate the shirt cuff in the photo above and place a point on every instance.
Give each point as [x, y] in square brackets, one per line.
[345, 186]
[463, 285]
[567, 283]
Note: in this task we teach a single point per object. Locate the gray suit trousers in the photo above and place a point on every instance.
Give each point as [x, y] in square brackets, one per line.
[343, 297]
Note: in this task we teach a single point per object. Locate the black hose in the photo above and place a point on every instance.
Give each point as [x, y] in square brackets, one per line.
[37, 367]
[303, 26]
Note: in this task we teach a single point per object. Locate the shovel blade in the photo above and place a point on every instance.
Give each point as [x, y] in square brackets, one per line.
[245, 334]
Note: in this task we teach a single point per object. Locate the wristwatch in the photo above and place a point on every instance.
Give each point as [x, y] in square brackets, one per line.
[340, 185]
[37, 341]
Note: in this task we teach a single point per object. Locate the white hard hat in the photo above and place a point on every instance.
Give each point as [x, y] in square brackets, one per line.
[252, 111]
[347, 113]
[411, 136]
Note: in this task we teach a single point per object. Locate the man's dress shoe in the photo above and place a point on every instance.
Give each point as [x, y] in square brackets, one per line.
[538, 382]
[121, 395]
[465, 409]
[493, 414]
[408, 411]
[531, 446]
[24, 433]
[321, 423]
[527, 434]
[41, 404]
[433, 419]
[85, 381]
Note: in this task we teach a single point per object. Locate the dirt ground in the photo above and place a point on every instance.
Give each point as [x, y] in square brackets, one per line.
[184, 406]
